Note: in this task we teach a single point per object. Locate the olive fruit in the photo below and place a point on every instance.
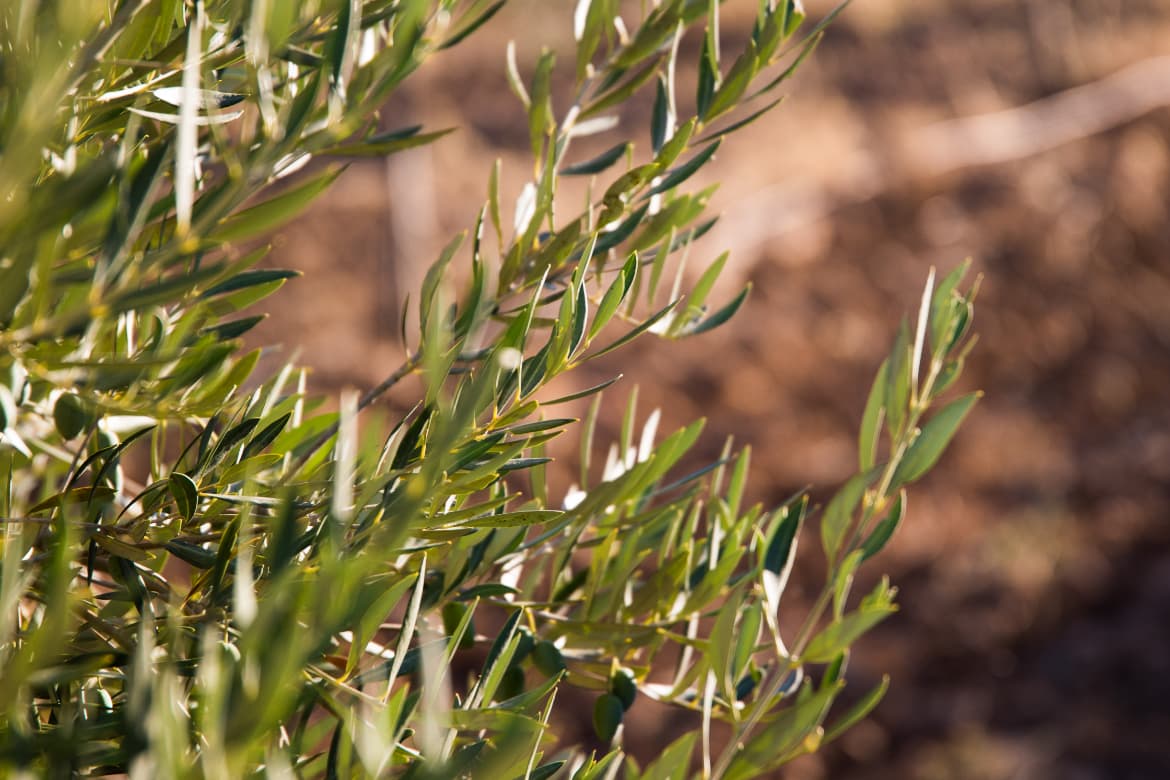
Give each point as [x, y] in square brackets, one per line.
[71, 415]
[511, 684]
[548, 658]
[623, 686]
[607, 716]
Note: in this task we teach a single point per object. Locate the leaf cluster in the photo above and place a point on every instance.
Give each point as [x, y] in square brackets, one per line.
[204, 574]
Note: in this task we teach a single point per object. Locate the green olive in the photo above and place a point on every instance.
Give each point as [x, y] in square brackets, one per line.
[548, 658]
[623, 685]
[511, 684]
[607, 716]
[71, 415]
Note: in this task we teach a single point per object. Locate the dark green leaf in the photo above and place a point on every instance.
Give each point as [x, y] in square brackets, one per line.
[884, 529]
[467, 27]
[721, 316]
[621, 93]
[731, 128]
[705, 89]
[683, 172]
[642, 328]
[659, 116]
[248, 279]
[384, 145]
[266, 436]
[598, 163]
[193, 554]
[236, 328]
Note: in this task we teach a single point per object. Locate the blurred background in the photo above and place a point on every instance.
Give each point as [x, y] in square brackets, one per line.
[1030, 135]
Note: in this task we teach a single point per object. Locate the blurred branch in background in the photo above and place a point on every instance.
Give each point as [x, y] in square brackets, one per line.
[945, 147]
[414, 230]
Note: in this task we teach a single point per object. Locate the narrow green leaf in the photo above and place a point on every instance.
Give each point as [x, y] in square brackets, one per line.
[540, 116]
[942, 309]
[884, 529]
[858, 711]
[721, 316]
[897, 394]
[720, 644]
[609, 239]
[746, 638]
[705, 88]
[514, 80]
[266, 436]
[839, 514]
[621, 93]
[633, 334]
[651, 35]
[598, 163]
[271, 214]
[734, 85]
[79, 495]
[676, 145]
[167, 291]
[808, 48]
[583, 393]
[674, 761]
[731, 128]
[544, 771]
[838, 636]
[703, 286]
[385, 145]
[514, 519]
[612, 300]
[659, 116]
[843, 581]
[683, 172]
[784, 733]
[468, 26]
[232, 330]
[199, 557]
[933, 440]
[243, 281]
[430, 284]
[871, 420]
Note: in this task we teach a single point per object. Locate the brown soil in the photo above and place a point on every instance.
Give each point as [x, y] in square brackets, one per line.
[1033, 640]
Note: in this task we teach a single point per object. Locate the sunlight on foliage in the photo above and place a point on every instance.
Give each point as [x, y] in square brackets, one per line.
[205, 575]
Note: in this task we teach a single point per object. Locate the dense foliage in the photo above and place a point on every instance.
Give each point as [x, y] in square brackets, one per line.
[204, 575]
